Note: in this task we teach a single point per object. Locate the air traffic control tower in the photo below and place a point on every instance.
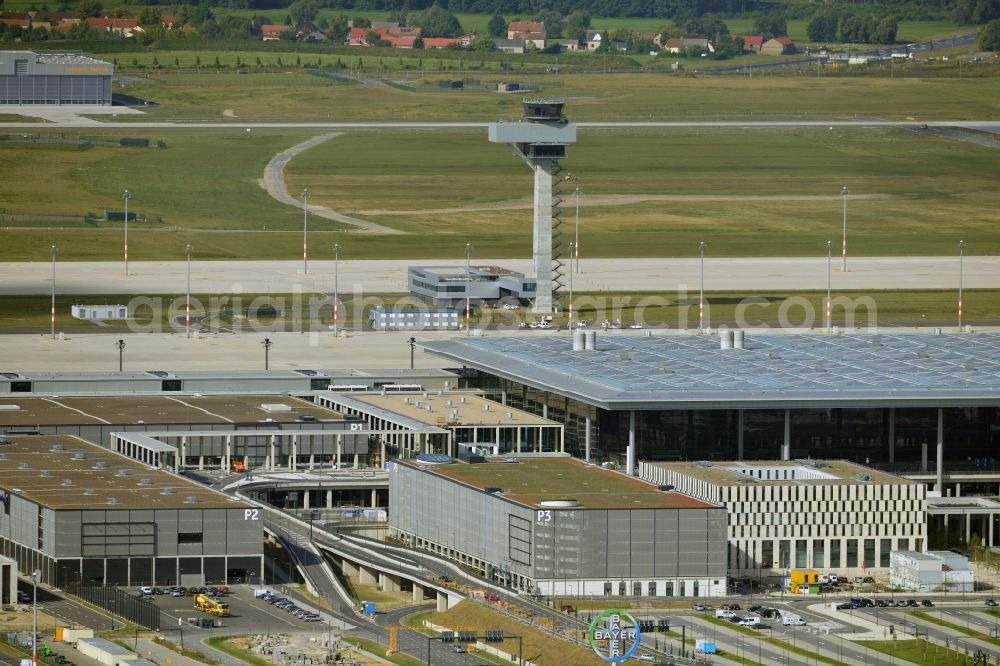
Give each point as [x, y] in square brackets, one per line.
[540, 140]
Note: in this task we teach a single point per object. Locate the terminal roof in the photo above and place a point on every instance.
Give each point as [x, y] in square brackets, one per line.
[469, 407]
[774, 370]
[118, 410]
[783, 472]
[46, 469]
[532, 480]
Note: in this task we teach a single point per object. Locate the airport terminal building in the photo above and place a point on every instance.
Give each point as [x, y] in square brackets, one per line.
[910, 403]
[56, 78]
[819, 514]
[84, 515]
[552, 525]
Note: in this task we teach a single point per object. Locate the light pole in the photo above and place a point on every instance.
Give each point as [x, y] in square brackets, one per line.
[305, 232]
[187, 303]
[336, 285]
[843, 268]
[829, 285]
[126, 196]
[575, 251]
[35, 575]
[701, 293]
[53, 250]
[267, 351]
[468, 285]
[120, 345]
[572, 248]
[961, 275]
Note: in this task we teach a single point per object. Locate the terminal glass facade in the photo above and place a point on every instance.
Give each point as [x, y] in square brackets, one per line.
[860, 435]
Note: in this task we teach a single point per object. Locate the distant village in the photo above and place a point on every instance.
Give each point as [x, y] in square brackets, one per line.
[521, 37]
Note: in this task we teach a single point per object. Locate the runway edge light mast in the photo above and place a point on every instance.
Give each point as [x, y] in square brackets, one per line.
[541, 143]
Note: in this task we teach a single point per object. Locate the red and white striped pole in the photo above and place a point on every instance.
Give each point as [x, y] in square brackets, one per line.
[305, 232]
[53, 292]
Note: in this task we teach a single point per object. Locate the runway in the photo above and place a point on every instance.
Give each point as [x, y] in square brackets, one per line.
[359, 277]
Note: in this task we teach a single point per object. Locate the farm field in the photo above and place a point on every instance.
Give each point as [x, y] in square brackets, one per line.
[644, 193]
[298, 95]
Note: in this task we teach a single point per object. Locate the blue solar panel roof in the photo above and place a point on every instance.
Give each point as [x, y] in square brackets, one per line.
[637, 371]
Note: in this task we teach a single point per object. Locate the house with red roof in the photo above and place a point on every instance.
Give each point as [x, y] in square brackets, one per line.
[752, 43]
[271, 32]
[532, 32]
[123, 26]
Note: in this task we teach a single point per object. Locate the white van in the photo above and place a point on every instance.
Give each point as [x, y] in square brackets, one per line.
[750, 621]
[724, 614]
[792, 620]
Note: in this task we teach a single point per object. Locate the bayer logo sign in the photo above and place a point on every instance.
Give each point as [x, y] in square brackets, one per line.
[614, 635]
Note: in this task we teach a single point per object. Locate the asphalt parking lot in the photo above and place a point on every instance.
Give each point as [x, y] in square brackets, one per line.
[248, 615]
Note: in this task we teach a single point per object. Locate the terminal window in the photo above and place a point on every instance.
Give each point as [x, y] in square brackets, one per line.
[104, 539]
[189, 537]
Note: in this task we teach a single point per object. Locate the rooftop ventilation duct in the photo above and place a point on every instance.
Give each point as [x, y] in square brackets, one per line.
[739, 339]
[510, 415]
[112, 500]
[145, 482]
[57, 448]
[89, 491]
[23, 465]
[190, 499]
[590, 340]
[725, 339]
[45, 472]
[167, 491]
[449, 403]
[486, 408]
[579, 340]
[100, 464]
[3, 456]
[462, 400]
[67, 482]
[121, 472]
[79, 455]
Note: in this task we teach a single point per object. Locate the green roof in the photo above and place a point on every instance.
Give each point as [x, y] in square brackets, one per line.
[532, 481]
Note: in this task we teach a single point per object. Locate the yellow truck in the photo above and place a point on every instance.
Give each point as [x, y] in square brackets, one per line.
[206, 604]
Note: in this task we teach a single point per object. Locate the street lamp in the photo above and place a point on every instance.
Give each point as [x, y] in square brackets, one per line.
[305, 232]
[267, 350]
[843, 268]
[829, 286]
[572, 248]
[120, 345]
[126, 196]
[336, 284]
[961, 275]
[468, 285]
[53, 250]
[187, 304]
[575, 250]
[701, 296]
[35, 575]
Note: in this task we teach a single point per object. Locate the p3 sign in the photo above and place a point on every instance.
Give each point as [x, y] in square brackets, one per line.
[251, 514]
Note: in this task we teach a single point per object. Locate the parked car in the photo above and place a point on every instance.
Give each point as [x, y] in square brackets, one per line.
[158, 590]
[912, 603]
[881, 603]
[845, 606]
[926, 603]
[992, 603]
[145, 589]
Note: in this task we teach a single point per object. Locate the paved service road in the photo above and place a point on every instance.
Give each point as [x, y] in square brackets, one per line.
[359, 277]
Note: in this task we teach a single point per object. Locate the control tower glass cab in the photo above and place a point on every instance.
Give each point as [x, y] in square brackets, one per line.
[544, 110]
